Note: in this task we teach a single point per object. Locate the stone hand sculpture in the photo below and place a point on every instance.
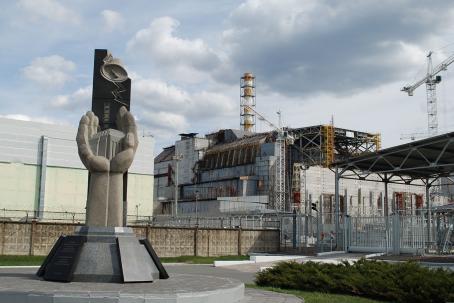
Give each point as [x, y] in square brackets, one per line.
[107, 155]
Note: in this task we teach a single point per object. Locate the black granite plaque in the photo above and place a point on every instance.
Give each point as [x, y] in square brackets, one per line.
[162, 271]
[49, 257]
[62, 264]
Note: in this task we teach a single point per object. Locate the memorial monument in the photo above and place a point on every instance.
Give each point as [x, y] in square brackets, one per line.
[104, 250]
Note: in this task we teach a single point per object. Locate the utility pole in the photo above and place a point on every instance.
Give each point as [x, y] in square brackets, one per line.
[196, 206]
[176, 158]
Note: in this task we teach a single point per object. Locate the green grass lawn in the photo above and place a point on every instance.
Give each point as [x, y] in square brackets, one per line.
[318, 297]
[21, 260]
[37, 260]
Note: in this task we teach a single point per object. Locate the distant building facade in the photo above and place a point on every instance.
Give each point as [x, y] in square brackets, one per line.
[233, 172]
[40, 171]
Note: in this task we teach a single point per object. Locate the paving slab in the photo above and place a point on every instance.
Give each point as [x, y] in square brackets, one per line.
[22, 285]
[14, 281]
[253, 295]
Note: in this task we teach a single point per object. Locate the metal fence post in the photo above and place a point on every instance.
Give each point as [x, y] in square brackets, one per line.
[336, 206]
[347, 229]
[396, 233]
[294, 229]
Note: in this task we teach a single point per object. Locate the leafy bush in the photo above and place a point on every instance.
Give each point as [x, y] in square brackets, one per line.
[396, 282]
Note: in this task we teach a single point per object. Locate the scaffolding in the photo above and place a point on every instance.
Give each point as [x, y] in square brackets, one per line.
[280, 188]
[328, 145]
[324, 144]
[377, 141]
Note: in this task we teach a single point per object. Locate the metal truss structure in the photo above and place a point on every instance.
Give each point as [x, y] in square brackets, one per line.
[416, 163]
[421, 163]
[325, 144]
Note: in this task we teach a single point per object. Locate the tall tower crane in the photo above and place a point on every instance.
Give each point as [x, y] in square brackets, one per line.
[431, 79]
[279, 198]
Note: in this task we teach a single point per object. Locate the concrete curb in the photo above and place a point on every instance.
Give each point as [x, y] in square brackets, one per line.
[328, 253]
[259, 259]
[21, 266]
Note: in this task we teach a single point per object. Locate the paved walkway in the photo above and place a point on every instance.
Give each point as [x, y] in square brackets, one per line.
[11, 278]
[261, 296]
[245, 275]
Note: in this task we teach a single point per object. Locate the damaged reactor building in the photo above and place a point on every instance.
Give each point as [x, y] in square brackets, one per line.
[244, 172]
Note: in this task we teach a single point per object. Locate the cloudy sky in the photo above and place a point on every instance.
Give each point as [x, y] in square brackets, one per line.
[313, 59]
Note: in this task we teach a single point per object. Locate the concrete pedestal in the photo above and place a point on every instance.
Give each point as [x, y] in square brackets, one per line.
[102, 254]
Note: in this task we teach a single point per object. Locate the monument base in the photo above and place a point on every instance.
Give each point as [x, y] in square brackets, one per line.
[21, 285]
[102, 254]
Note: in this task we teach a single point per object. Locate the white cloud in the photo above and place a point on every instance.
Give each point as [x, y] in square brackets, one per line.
[80, 99]
[164, 122]
[206, 104]
[52, 10]
[160, 96]
[309, 47]
[166, 49]
[112, 20]
[52, 71]
[28, 118]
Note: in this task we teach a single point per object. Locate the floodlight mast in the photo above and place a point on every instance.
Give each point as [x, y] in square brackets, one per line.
[431, 79]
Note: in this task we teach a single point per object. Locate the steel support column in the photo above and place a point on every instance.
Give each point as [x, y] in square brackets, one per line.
[42, 176]
[385, 200]
[429, 211]
[336, 205]
[385, 213]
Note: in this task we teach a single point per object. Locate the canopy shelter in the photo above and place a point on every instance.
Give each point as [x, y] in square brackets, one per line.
[418, 163]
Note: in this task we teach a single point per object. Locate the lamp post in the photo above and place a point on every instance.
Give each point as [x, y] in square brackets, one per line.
[196, 205]
[137, 212]
[176, 158]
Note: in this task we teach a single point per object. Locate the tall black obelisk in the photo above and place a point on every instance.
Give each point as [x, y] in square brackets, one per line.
[111, 91]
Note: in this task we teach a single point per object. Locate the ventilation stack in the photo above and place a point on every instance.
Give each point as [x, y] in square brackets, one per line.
[247, 102]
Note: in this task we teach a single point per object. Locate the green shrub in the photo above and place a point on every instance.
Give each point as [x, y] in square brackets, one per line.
[396, 282]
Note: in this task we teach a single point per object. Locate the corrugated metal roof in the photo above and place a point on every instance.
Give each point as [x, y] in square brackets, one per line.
[165, 155]
[428, 158]
[250, 140]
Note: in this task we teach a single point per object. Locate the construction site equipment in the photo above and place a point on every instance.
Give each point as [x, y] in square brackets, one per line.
[247, 102]
[282, 138]
[431, 79]
[324, 144]
[328, 145]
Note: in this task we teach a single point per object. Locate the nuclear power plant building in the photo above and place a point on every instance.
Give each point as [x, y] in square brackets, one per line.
[237, 172]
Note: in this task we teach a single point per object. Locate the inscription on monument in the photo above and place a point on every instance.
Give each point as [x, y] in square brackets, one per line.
[61, 266]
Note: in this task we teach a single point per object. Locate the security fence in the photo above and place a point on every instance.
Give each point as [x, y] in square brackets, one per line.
[234, 221]
[395, 234]
[299, 233]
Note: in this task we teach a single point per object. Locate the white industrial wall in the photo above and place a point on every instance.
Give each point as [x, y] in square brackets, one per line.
[320, 180]
[65, 176]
